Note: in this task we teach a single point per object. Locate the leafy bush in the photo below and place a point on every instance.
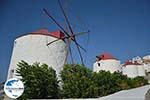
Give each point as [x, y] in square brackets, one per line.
[77, 82]
[139, 81]
[104, 83]
[108, 83]
[120, 80]
[80, 82]
[39, 81]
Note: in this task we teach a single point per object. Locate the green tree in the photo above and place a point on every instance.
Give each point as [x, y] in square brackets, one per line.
[40, 81]
[108, 83]
[139, 81]
[77, 82]
[120, 80]
[105, 83]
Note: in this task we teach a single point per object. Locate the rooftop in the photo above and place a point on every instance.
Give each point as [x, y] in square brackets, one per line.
[131, 63]
[105, 56]
[57, 34]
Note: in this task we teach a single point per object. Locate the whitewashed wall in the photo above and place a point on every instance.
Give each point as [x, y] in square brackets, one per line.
[130, 70]
[33, 48]
[111, 65]
[133, 71]
[141, 70]
[147, 67]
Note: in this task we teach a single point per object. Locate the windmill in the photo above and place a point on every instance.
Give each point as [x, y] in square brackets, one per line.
[70, 37]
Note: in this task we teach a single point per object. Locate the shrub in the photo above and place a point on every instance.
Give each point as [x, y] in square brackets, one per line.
[120, 80]
[139, 81]
[77, 82]
[39, 81]
[107, 83]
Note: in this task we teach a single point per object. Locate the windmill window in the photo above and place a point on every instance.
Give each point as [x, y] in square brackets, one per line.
[12, 71]
[98, 64]
[15, 43]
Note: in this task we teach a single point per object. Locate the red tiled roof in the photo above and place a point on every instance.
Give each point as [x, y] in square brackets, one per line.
[57, 34]
[105, 56]
[131, 63]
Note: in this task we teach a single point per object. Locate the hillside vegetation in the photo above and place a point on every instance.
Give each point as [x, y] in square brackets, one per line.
[77, 81]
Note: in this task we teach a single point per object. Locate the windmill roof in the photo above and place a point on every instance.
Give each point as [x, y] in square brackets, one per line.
[57, 34]
[105, 56]
[131, 63]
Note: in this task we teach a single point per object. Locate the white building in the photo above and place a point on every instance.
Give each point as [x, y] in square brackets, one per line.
[106, 62]
[146, 62]
[32, 47]
[133, 69]
[137, 59]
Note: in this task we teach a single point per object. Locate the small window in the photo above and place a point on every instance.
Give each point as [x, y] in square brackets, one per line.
[15, 43]
[98, 64]
[12, 71]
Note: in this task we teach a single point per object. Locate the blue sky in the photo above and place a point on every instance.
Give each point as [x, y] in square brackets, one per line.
[120, 27]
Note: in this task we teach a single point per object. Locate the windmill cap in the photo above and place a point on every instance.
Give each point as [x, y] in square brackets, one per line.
[57, 34]
[105, 56]
[132, 63]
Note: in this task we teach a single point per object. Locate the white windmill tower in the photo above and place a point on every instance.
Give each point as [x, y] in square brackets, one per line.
[32, 48]
[133, 69]
[45, 47]
[146, 62]
[106, 62]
